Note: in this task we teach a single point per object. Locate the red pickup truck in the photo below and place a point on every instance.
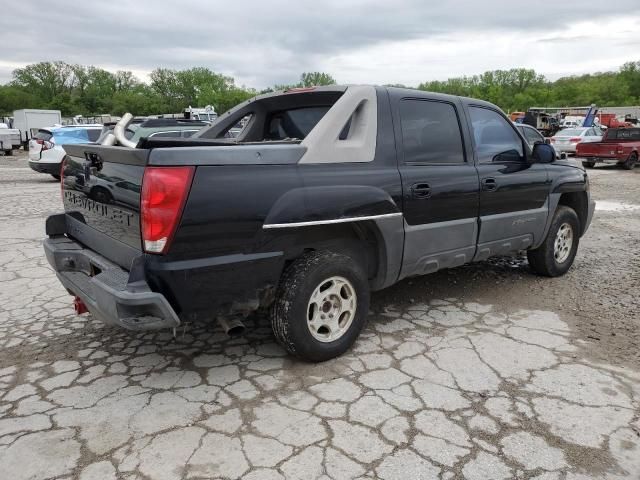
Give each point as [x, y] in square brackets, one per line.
[619, 145]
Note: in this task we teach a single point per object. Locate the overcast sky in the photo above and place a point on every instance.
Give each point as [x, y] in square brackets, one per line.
[261, 43]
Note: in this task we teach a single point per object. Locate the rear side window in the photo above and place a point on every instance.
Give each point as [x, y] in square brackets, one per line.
[430, 132]
[495, 139]
[294, 124]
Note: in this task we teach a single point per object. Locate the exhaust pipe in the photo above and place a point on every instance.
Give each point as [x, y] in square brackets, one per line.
[120, 128]
[232, 327]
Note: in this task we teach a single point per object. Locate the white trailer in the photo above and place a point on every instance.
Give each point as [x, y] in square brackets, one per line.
[28, 121]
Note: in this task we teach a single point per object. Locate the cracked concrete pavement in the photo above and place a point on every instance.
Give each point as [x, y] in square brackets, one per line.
[482, 372]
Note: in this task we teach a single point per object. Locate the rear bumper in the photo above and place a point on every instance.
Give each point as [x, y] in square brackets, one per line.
[566, 148]
[45, 167]
[607, 160]
[110, 293]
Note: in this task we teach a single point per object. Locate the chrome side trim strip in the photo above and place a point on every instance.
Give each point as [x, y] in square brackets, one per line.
[330, 222]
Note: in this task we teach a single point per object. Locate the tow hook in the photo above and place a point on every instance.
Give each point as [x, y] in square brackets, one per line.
[79, 306]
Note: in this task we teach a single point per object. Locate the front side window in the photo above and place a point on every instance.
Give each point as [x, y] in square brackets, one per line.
[532, 136]
[495, 139]
[430, 132]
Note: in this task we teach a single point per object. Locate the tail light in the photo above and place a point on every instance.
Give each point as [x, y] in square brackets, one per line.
[164, 192]
[575, 140]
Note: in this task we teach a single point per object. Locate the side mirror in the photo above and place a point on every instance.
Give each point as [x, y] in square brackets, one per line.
[543, 153]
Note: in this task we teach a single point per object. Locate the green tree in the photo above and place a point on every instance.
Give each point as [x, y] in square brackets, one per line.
[315, 79]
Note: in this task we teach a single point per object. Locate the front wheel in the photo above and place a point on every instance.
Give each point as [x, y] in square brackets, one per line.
[556, 254]
[588, 164]
[321, 306]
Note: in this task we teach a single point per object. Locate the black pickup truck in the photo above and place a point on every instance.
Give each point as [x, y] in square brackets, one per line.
[326, 194]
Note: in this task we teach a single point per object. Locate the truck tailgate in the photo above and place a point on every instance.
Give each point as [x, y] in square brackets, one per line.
[597, 149]
[101, 189]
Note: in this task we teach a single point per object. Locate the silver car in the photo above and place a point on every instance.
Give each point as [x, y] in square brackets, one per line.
[568, 139]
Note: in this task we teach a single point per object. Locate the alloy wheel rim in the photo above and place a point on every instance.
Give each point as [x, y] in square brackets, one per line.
[331, 309]
[563, 243]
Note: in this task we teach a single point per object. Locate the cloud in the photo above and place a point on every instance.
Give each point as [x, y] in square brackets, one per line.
[263, 43]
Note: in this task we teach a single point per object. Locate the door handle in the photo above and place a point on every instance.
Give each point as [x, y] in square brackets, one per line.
[489, 184]
[420, 190]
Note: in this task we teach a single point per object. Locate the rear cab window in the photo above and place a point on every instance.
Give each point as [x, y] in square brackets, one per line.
[93, 134]
[294, 123]
[623, 134]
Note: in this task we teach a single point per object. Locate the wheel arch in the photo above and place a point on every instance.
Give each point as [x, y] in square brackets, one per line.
[375, 244]
[579, 202]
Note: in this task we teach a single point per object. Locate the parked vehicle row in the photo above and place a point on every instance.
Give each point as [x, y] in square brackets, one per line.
[325, 195]
[46, 148]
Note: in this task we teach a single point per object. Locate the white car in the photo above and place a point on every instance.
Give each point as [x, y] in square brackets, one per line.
[566, 141]
[45, 149]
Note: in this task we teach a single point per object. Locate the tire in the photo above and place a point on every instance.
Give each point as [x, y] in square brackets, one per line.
[57, 177]
[304, 281]
[553, 260]
[8, 153]
[630, 162]
[588, 164]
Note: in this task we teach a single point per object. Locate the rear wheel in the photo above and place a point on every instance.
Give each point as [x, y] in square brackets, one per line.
[556, 254]
[8, 153]
[588, 164]
[57, 177]
[630, 162]
[321, 306]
